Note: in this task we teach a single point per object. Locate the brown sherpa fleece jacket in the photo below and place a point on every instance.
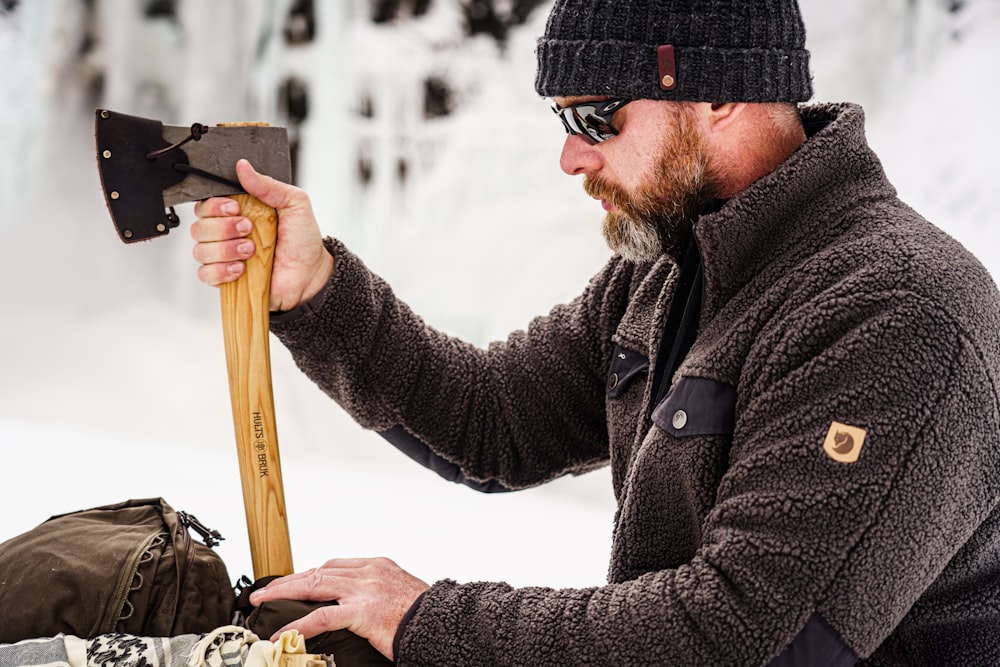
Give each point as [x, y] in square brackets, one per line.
[836, 324]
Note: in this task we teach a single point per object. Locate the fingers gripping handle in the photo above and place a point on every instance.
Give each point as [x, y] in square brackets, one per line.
[245, 325]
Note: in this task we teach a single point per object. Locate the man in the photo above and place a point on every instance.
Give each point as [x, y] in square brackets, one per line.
[792, 375]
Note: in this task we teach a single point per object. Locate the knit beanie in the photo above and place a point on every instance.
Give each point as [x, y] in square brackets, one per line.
[693, 50]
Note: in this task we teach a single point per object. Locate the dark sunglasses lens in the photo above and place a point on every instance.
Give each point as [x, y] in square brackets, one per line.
[590, 120]
[599, 127]
[582, 119]
[569, 123]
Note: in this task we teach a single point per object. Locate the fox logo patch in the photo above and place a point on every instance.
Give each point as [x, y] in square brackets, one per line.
[843, 443]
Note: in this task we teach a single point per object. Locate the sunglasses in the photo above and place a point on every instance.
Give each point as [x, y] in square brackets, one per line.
[591, 119]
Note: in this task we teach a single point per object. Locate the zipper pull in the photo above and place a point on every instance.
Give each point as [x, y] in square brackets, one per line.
[208, 536]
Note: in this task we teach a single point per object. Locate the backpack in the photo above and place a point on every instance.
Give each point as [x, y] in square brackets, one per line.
[131, 567]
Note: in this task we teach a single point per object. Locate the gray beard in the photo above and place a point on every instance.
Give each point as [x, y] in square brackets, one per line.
[633, 240]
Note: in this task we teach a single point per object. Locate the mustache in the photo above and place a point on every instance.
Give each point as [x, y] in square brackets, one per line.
[598, 188]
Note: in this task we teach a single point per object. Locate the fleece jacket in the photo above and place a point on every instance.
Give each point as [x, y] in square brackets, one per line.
[818, 487]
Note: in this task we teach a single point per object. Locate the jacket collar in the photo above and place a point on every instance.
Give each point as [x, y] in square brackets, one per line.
[788, 211]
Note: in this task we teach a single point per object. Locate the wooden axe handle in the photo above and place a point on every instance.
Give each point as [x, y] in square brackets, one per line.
[245, 325]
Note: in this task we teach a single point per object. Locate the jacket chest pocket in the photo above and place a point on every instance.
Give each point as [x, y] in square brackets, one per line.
[697, 406]
[626, 367]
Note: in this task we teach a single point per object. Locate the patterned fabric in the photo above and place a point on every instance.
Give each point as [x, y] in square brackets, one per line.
[228, 646]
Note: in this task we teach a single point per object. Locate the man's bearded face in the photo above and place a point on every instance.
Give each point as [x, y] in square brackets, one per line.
[657, 216]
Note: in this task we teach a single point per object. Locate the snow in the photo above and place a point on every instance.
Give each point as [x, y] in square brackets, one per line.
[112, 373]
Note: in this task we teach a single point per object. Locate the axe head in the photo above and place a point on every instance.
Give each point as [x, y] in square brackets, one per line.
[147, 166]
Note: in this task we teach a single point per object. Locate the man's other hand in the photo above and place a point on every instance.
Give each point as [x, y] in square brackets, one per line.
[373, 595]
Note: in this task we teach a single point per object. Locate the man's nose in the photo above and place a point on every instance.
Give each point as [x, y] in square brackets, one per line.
[579, 156]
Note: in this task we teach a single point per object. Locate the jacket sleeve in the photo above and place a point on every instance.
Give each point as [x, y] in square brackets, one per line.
[796, 540]
[521, 412]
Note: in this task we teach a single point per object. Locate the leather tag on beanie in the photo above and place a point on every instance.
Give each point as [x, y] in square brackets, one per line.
[667, 66]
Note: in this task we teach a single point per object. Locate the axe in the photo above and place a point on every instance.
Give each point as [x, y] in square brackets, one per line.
[146, 168]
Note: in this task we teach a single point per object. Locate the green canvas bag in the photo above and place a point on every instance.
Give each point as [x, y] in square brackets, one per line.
[132, 567]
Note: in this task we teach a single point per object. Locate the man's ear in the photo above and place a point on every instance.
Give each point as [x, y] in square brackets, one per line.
[721, 115]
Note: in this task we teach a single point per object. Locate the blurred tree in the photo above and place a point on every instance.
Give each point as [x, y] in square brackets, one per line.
[496, 19]
[300, 23]
[384, 11]
[439, 100]
[161, 9]
[293, 102]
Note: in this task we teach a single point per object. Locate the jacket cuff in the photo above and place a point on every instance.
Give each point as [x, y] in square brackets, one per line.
[407, 617]
[312, 305]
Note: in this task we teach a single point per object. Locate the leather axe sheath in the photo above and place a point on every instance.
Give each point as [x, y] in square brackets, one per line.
[146, 168]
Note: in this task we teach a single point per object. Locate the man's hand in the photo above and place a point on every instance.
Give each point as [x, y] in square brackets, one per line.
[373, 594]
[302, 265]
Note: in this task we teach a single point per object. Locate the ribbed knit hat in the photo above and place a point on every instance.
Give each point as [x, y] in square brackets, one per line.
[694, 50]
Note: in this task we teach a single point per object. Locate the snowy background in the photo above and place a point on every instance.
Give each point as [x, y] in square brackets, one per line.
[425, 148]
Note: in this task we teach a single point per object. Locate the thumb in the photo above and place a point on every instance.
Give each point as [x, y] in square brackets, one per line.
[269, 190]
